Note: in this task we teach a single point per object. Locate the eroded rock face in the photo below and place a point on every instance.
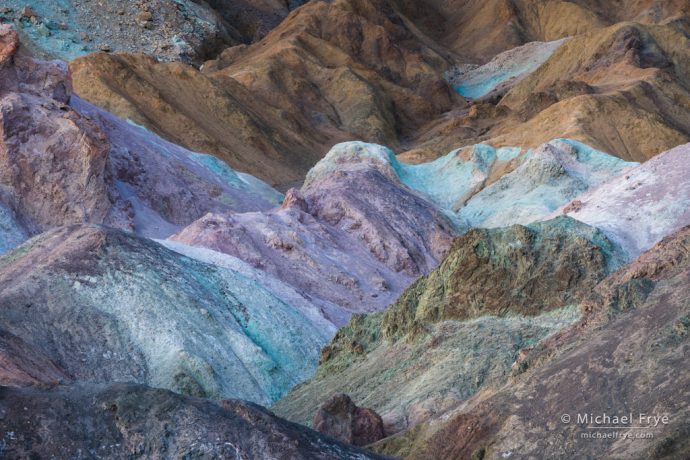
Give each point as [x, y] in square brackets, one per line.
[103, 305]
[341, 419]
[52, 159]
[640, 207]
[460, 328]
[631, 360]
[170, 30]
[157, 187]
[21, 365]
[119, 420]
[352, 238]
[63, 161]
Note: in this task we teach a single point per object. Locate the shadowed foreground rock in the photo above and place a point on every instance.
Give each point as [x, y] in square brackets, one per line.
[340, 418]
[133, 421]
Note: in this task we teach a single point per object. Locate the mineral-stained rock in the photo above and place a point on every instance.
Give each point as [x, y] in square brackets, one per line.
[63, 161]
[341, 419]
[52, 160]
[642, 205]
[170, 30]
[497, 76]
[479, 186]
[621, 89]
[128, 420]
[460, 328]
[104, 305]
[212, 115]
[631, 362]
[331, 72]
[157, 187]
[353, 237]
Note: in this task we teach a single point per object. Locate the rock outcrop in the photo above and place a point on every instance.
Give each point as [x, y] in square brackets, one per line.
[64, 161]
[351, 239]
[341, 419]
[461, 327]
[643, 205]
[170, 30]
[101, 305]
[630, 361]
[127, 420]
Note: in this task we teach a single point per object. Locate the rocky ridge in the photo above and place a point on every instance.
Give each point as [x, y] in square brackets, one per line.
[460, 327]
[631, 358]
[65, 161]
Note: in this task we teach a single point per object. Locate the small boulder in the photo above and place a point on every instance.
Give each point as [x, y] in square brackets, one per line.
[340, 418]
[28, 12]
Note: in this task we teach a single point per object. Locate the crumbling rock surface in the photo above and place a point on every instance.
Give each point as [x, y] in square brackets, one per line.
[341, 419]
[170, 30]
[631, 363]
[460, 328]
[128, 420]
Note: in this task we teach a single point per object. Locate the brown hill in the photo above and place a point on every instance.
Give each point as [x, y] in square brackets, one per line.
[622, 89]
[480, 29]
[372, 70]
[330, 72]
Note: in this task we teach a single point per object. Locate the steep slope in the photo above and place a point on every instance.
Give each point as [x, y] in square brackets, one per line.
[478, 30]
[157, 187]
[629, 361]
[107, 421]
[352, 238]
[205, 114]
[636, 75]
[170, 30]
[105, 305]
[64, 161]
[620, 89]
[638, 208]
[332, 71]
[502, 72]
[460, 327]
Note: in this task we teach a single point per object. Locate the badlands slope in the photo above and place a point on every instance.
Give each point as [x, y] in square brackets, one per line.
[628, 351]
[378, 71]
[469, 296]
[171, 30]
